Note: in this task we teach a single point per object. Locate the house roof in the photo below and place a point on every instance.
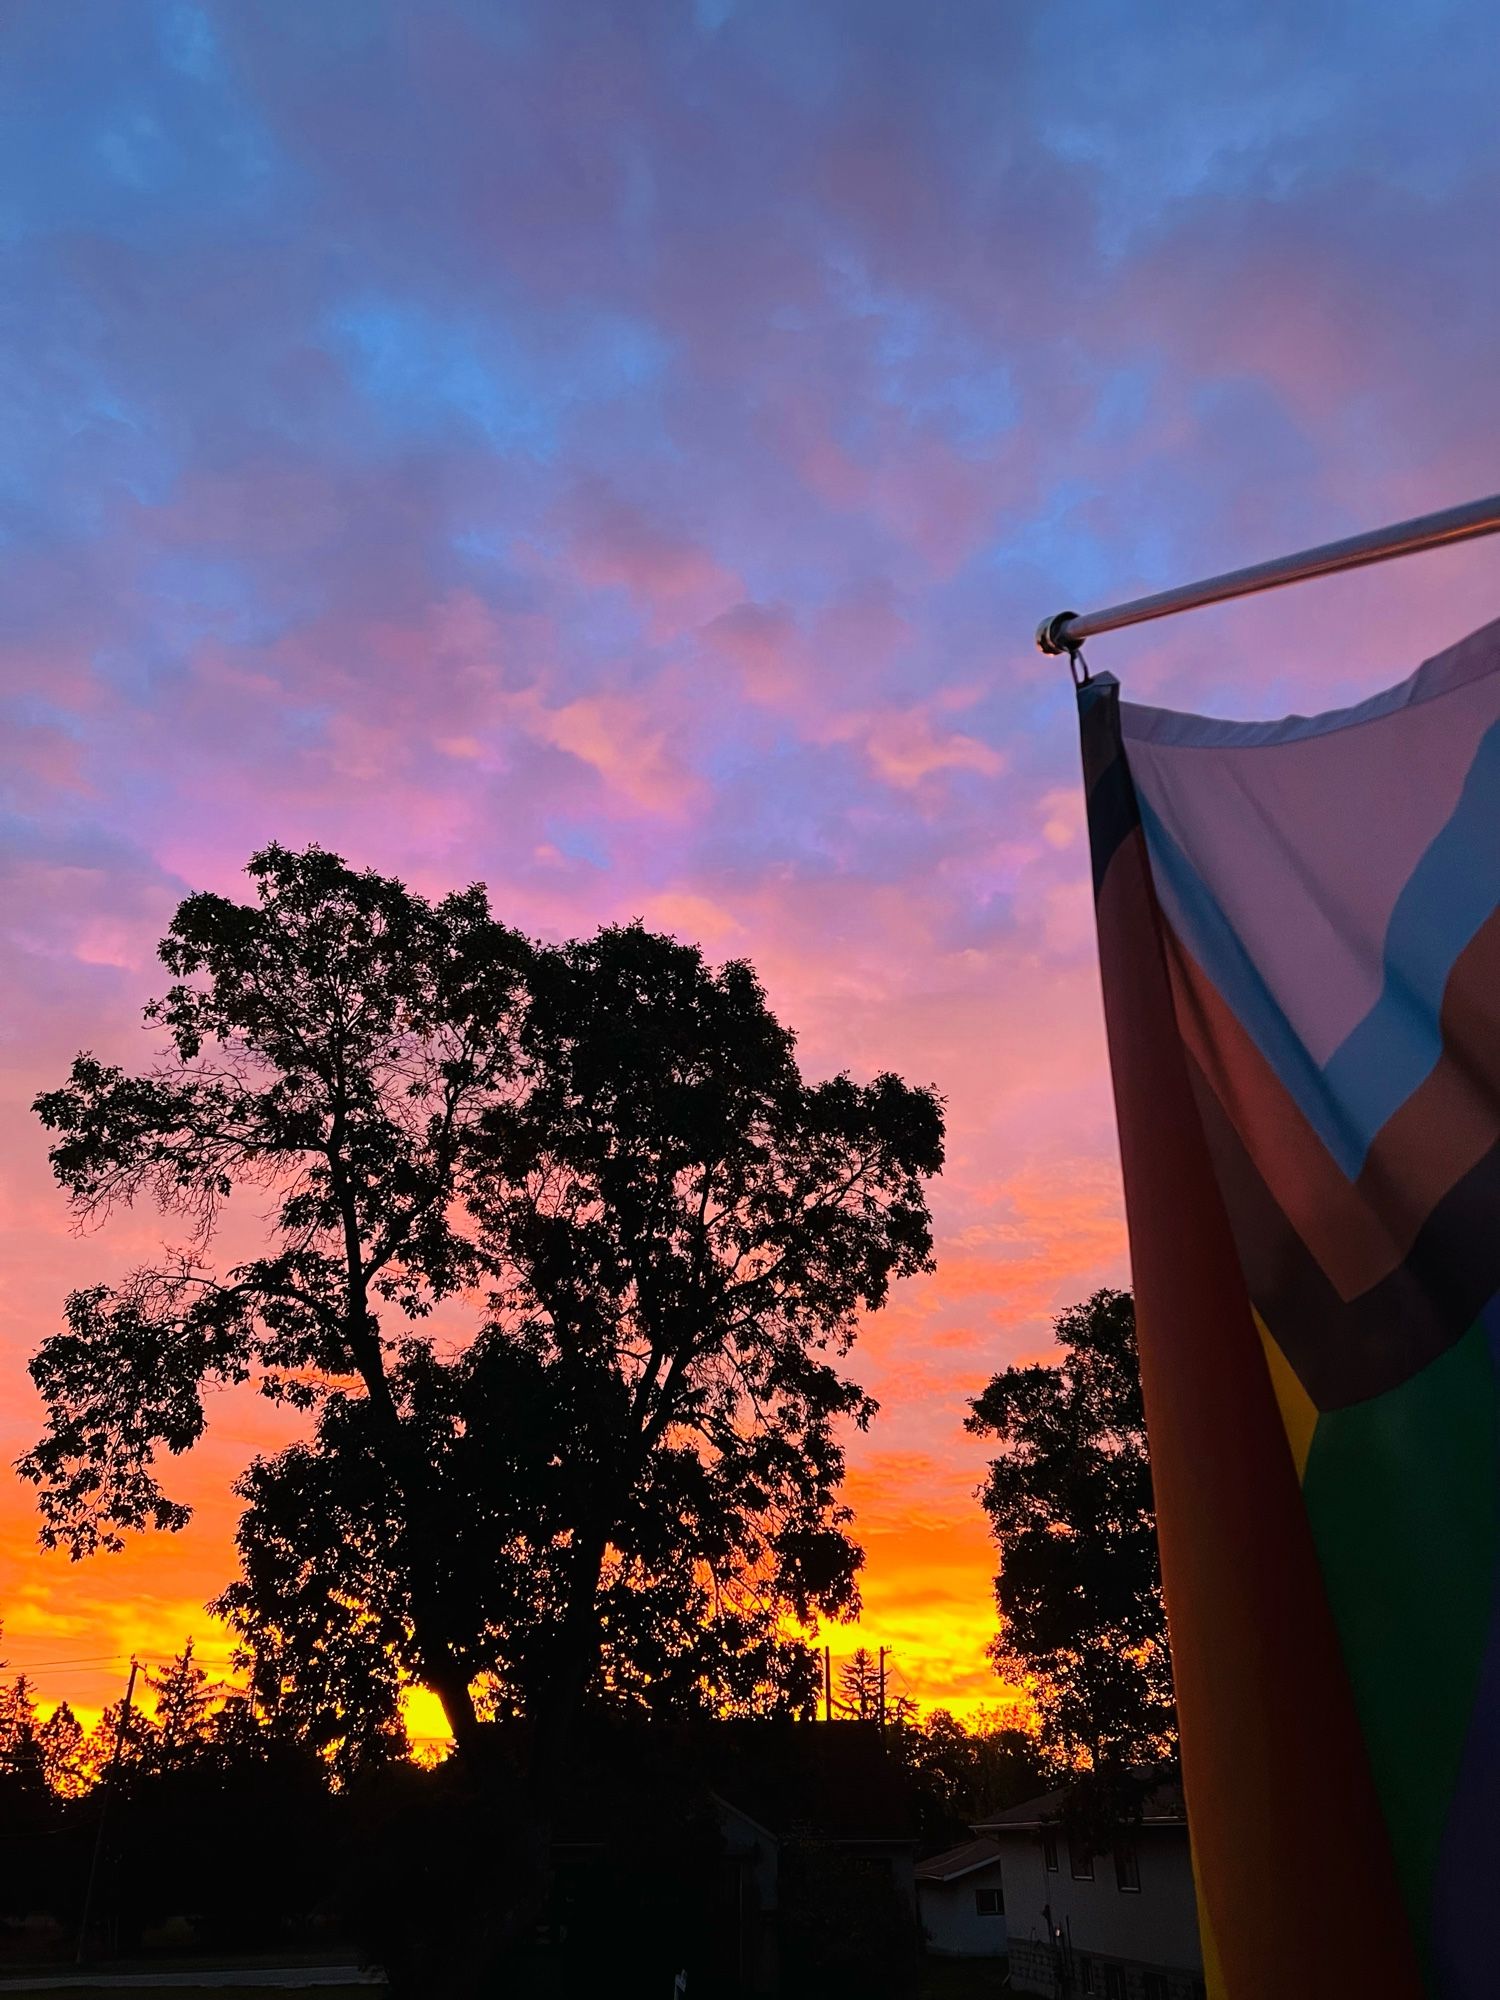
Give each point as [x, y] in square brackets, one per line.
[1161, 1806]
[956, 1862]
[835, 1780]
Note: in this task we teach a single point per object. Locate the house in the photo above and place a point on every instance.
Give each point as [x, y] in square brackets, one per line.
[1121, 1925]
[758, 1856]
[961, 1900]
[818, 1829]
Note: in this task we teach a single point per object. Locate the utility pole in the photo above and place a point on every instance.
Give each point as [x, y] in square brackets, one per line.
[880, 1697]
[107, 1790]
[827, 1684]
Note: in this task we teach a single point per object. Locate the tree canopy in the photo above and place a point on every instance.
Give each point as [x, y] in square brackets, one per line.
[635, 1463]
[609, 1466]
[963, 1774]
[1069, 1498]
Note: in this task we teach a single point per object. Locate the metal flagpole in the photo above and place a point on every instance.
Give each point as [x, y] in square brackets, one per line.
[1066, 631]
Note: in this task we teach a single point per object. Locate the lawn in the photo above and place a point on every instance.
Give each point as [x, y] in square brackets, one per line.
[173, 1983]
[239, 1979]
[963, 1979]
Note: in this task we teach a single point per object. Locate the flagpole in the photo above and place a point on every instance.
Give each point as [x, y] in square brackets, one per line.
[1065, 631]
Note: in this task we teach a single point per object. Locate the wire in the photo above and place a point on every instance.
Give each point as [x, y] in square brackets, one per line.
[10, 1667]
[94, 1675]
[78, 1660]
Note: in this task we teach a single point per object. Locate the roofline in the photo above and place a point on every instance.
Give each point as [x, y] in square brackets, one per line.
[843, 1839]
[730, 1806]
[958, 1874]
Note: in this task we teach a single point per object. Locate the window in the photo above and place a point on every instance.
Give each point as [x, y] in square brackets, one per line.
[1089, 1973]
[988, 1903]
[1049, 1852]
[1127, 1867]
[1080, 1861]
[1154, 1986]
[1114, 1982]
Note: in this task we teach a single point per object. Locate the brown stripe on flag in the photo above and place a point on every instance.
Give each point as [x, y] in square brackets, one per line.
[1358, 1231]
[1347, 1350]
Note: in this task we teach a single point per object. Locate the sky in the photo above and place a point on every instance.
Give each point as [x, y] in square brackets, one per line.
[621, 452]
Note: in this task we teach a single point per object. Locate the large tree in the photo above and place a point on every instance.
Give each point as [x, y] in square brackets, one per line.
[636, 1461]
[330, 1049]
[1070, 1503]
[651, 1241]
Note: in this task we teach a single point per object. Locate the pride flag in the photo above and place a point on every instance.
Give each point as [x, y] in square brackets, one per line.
[1300, 943]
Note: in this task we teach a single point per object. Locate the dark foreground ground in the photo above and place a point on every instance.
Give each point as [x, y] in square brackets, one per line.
[226, 1978]
[185, 1984]
[942, 1979]
[963, 1979]
[230, 1987]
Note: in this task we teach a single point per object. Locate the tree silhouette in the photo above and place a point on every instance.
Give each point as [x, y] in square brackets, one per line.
[61, 1741]
[604, 1154]
[859, 1685]
[902, 1711]
[20, 1743]
[183, 1711]
[694, 1232]
[134, 1731]
[332, 1047]
[1069, 1499]
[960, 1774]
[326, 1670]
[635, 1462]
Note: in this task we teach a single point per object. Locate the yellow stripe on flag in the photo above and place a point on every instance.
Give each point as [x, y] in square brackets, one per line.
[1299, 1413]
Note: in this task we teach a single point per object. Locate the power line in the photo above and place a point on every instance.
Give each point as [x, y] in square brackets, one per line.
[10, 1667]
[78, 1660]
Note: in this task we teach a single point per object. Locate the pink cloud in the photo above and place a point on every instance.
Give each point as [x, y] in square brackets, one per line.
[674, 580]
[796, 377]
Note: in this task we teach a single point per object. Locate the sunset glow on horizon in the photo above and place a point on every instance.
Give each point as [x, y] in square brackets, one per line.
[620, 454]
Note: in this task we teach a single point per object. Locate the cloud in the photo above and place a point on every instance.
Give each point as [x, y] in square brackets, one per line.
[622, 454]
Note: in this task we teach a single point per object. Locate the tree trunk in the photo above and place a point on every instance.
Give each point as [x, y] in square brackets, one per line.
[553, 1724]
[574, 1659]
[446, 1677]
[441, 1669]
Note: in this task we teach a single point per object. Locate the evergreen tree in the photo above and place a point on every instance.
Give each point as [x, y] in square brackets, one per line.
[135, 1740]
[859, 1685]
[62, 1743]
[184, 1702]
[20, 1743]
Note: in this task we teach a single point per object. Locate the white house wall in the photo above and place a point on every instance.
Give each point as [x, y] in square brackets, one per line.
[953, 1927]
[1156, 1926]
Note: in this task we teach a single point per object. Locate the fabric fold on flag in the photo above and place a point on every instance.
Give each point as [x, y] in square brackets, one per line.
[1299, 932]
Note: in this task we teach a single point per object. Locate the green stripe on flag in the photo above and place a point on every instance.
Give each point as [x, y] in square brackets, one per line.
[1401, 1492]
